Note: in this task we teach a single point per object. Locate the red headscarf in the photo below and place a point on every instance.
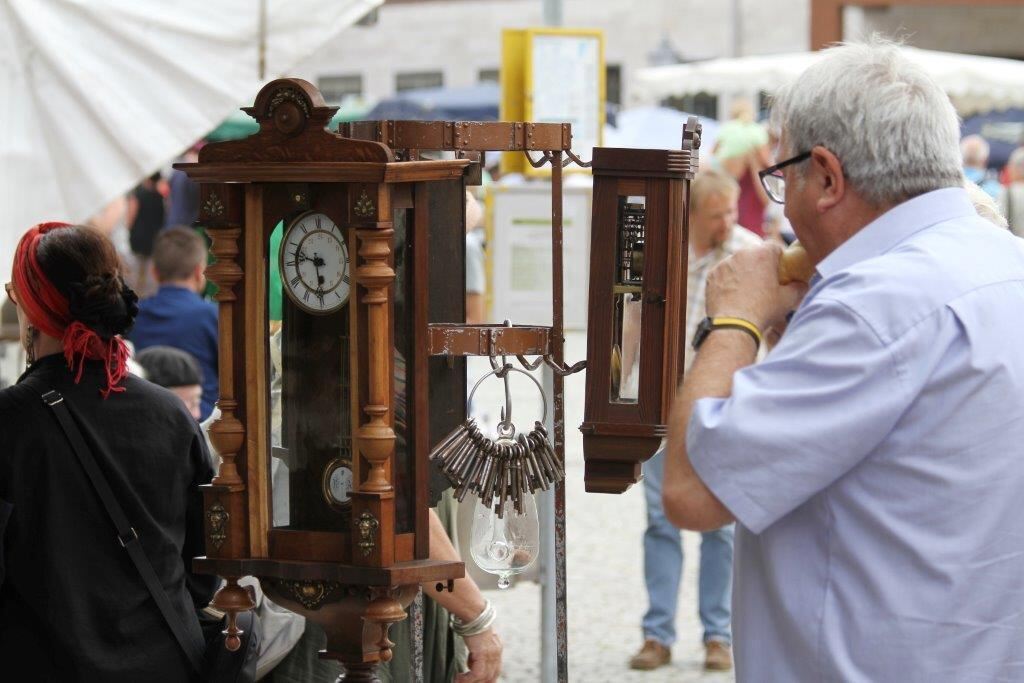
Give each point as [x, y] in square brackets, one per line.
[47, 309]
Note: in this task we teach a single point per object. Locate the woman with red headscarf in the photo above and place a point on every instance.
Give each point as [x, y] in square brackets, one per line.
[73, 607]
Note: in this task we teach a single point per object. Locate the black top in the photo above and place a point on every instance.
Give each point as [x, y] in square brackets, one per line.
[148, 221]
[72, 605]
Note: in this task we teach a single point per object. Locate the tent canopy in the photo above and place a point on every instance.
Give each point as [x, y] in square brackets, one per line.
[100, 93]
[974, 83]
[656, 128]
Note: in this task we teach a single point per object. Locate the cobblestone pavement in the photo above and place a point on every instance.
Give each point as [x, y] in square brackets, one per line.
[605, 572]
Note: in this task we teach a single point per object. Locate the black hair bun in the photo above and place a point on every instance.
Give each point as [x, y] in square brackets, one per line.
[104, 303]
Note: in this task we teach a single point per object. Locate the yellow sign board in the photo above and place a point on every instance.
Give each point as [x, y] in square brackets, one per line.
[553, 75]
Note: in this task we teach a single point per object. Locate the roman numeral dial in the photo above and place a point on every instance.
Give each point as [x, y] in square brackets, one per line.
[315, 268]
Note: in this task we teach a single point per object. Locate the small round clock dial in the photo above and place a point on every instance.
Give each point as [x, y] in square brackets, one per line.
[337, 483]
[315, 264]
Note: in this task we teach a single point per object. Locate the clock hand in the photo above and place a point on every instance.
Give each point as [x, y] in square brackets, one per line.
[317, 262]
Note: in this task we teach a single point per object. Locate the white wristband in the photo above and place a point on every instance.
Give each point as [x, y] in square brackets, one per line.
[476, 626]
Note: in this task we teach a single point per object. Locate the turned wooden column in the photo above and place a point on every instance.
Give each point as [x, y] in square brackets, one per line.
[373, 500]
[376, 437]
[221, 213]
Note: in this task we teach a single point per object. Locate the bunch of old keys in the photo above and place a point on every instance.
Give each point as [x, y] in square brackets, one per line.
[499, 470]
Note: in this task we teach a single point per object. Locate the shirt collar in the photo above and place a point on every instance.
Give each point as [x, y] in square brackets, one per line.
[896, 225]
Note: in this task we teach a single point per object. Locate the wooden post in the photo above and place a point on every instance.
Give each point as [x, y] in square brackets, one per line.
[373, 500]
[224, 497]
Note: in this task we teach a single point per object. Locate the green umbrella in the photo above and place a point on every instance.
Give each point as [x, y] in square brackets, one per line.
[240, 125]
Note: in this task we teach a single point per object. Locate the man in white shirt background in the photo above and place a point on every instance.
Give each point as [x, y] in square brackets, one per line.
[714, 235]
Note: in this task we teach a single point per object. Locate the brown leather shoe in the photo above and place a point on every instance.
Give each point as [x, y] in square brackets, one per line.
[717, 656]
[652, 655]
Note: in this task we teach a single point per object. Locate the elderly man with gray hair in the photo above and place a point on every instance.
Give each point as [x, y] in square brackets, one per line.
[873, 459]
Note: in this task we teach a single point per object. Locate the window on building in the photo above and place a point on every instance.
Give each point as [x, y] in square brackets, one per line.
[489, 76]
[413, 80]
[613, 83]
[336, 89]
[700, 104]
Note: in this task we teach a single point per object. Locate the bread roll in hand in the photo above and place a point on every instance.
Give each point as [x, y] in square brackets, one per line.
[795, 265]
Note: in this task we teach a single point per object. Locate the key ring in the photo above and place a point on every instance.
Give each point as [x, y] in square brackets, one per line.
[506, 418]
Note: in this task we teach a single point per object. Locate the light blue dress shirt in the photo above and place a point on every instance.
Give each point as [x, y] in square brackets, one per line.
[875, 462]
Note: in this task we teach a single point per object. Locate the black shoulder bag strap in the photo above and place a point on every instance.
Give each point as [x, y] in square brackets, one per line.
[126, 534]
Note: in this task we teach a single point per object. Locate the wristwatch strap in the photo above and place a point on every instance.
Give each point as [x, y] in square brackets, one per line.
[727, 323]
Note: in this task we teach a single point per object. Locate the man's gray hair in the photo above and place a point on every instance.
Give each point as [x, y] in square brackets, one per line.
[892, 127]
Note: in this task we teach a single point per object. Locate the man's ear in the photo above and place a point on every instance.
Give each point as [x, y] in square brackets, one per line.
[829, 171]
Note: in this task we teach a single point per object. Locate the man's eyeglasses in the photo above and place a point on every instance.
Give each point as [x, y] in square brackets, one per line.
[774, 182]
[9, 288]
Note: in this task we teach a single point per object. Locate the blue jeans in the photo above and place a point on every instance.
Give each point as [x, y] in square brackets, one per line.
[663, 569]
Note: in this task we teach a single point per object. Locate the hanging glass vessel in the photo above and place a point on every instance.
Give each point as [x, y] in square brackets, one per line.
[508, 544]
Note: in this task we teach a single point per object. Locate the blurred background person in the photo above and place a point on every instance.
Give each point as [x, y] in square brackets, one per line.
[741, 150]
[974, 150]
[110, 221]
[1011, 198]
[476, 272]
[177, 315]
[183, 192]
[175, 370]
[145, 218]
[714, 236]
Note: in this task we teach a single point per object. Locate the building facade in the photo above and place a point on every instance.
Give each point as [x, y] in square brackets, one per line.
[423, 43]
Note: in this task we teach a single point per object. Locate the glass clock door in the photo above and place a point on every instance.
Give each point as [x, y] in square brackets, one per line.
[309, 375]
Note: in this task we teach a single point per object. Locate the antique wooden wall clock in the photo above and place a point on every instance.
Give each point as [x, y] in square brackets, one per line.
[324, 247]
[637, 306]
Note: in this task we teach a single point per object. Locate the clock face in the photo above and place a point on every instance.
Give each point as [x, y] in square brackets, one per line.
[337, 483]
[341, 484]
[314, 264]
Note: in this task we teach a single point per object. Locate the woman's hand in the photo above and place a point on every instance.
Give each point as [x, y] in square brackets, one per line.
[484, 658]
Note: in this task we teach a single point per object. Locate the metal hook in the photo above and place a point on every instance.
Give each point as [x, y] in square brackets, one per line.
[537, 164]
[506, 412]
[579, 162]
[506, 369]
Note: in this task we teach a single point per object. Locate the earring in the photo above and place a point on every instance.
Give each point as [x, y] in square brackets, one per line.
[30, 345]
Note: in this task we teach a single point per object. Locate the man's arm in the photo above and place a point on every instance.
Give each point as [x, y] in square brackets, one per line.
[688, 503]
[743, 286]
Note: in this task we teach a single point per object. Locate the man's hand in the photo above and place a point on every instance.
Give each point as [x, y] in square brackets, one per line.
[746, 285]
[484, 658]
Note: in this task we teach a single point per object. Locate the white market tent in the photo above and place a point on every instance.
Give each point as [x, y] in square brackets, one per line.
[656, 128]
[974, 83]
[98, 94]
